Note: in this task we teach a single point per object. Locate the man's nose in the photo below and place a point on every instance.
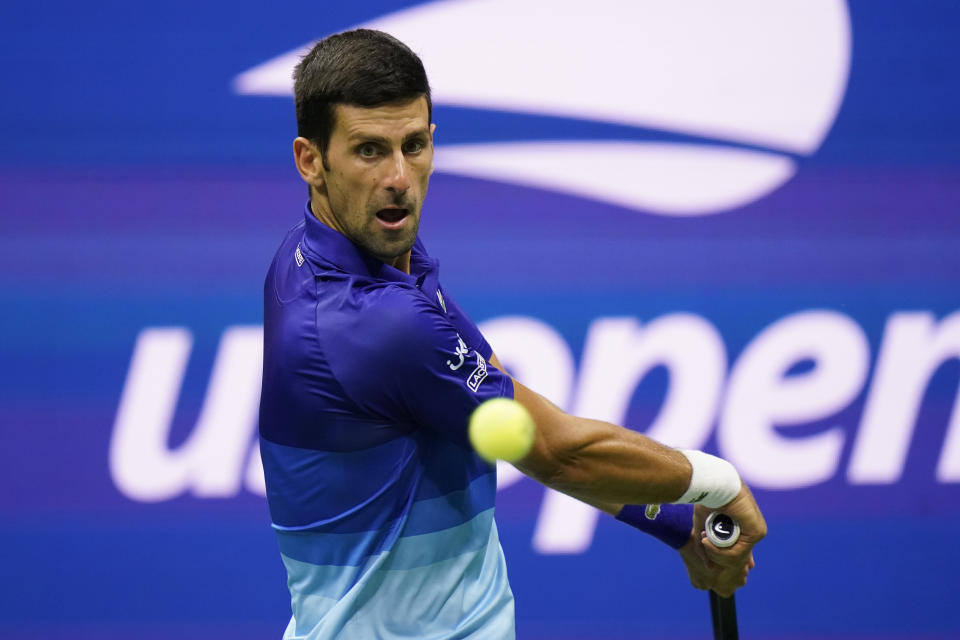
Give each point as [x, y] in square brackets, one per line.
[398, 180]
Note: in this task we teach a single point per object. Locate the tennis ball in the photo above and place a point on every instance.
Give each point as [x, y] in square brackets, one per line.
[501, 429]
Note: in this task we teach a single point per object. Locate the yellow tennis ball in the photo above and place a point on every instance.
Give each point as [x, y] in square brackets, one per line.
[501, 429]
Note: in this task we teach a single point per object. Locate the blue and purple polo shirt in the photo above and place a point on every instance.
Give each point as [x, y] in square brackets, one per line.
[383, 512]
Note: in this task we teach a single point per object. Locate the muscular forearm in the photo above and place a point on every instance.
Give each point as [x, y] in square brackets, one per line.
[607, 467]
[597, 462]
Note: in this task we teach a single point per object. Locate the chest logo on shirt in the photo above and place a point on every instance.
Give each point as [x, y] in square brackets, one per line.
[461, 353]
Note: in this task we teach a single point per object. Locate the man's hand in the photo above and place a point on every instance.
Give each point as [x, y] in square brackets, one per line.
[753, 528]
[724, 570]
[706, 574]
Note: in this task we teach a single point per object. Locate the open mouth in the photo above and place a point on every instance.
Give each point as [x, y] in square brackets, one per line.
[392, 215]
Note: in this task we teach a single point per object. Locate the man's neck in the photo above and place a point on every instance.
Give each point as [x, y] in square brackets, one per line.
[402, 263]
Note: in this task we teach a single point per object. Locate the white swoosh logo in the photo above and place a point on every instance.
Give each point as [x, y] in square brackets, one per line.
[749, 72]
[665, 178]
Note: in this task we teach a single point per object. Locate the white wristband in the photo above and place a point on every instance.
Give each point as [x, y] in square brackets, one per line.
[713, 483]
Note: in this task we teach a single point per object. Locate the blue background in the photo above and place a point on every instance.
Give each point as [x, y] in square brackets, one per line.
[137, 190]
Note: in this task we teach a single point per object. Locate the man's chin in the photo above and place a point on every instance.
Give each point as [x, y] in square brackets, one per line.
[386, 245]
[393, 251]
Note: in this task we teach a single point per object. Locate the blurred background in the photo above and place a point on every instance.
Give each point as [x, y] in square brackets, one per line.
[733, 226]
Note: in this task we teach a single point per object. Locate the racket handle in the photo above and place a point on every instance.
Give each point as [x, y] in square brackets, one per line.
[722, 530]
[723, 614]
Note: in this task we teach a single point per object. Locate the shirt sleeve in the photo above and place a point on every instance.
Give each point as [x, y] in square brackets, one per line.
[400, 357]
[465, 326]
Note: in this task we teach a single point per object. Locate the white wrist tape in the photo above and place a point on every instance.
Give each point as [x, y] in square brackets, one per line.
[713, 483]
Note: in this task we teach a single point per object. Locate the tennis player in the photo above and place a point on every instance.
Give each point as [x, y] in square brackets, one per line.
[383, 512]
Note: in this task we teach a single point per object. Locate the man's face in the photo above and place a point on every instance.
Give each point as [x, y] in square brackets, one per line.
[378, 165]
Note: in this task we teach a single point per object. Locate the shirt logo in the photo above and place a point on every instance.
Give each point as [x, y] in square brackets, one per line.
[477, 375]
[298, 256]
[443, 305]
[461, 352]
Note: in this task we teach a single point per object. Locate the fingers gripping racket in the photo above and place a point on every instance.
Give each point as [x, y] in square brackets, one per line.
[723, 531]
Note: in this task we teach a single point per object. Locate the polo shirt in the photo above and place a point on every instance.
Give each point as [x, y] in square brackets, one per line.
[382, 510]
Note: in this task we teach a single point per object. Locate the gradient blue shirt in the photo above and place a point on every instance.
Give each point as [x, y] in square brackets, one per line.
[383, 512]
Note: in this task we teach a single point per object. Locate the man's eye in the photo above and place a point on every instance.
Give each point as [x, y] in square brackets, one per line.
[368, 150]
[414, 146]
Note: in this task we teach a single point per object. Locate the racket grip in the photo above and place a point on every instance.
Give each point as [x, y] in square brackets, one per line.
[723, 613]
[722, 530]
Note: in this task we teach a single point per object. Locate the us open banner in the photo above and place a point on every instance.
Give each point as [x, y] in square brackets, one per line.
[731, 226]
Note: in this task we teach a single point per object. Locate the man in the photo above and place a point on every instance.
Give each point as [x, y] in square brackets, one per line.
[384, 514]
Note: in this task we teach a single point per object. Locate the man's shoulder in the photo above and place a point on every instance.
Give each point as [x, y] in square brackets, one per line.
[291, 239]
[382, 329]
[381, 311]
[289, 272]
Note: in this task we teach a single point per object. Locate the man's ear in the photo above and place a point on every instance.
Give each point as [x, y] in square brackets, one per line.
[433, 127]
[309, 162]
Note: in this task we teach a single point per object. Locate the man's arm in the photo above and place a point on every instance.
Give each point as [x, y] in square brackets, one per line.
[608, 466]
[597, 462]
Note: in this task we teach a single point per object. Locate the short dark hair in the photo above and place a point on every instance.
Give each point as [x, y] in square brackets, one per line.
[363, 68]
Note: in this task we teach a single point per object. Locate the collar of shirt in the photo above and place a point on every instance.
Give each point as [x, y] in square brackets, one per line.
[329, 247]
